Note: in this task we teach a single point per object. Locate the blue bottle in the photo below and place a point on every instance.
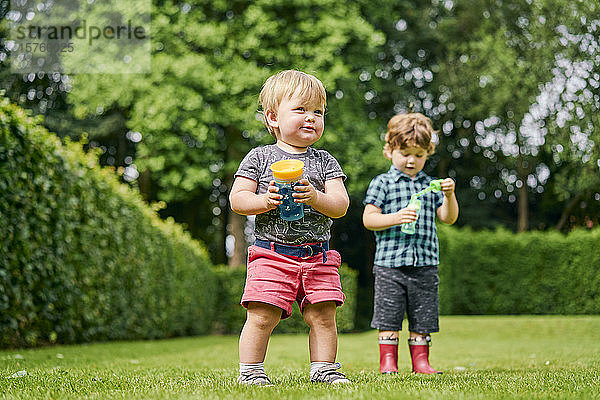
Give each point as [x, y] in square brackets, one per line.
[286, 174]
[289, 210]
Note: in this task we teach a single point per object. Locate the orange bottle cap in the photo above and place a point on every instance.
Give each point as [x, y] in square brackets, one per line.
[287, 169]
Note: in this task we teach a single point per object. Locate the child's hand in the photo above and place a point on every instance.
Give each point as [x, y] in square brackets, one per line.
[405, 216]
[304, 192]
[272, 198]
[448, 186]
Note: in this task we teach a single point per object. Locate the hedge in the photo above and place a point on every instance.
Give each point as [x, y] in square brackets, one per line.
[82, 257]
[500, 272]
[231, 315]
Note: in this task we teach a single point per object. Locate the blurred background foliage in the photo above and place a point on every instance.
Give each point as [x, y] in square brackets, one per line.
[82, 256]
[512, 87]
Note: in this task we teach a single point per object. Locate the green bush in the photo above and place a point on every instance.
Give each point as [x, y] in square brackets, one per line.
[231, 315]
[82, 257]
[499, 272]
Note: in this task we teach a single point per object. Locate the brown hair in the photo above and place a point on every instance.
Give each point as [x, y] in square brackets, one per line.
[409, 130]
[287, 84]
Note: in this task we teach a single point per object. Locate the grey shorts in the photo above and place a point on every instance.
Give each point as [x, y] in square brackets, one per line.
[410, 290]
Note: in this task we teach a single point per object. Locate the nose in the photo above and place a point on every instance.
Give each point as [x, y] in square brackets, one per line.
[309, 117]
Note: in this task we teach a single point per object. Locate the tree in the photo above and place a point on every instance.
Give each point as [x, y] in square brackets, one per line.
[565, 114]
[196, 110]
[44, 92]
[493, 80]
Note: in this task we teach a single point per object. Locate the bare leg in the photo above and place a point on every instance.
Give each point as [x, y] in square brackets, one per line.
[416, 335]
[322, 337]
[388, 334]
[261, 319]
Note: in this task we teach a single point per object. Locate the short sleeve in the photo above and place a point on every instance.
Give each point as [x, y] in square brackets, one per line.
[376, 192]
[249, 167]
[333, 169]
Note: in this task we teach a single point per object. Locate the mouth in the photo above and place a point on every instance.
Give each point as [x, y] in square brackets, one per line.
[310, 128]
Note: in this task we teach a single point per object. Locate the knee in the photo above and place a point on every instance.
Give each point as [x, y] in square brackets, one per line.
[320, 316]
[263, 319]
[262, 323]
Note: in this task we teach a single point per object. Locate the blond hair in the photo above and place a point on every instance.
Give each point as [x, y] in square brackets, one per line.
[287, 84]
[409, 130]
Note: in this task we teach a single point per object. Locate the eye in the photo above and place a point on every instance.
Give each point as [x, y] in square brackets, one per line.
[319, 112]
[301, 109]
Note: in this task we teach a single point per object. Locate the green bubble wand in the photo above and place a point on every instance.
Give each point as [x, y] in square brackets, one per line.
[414, 203]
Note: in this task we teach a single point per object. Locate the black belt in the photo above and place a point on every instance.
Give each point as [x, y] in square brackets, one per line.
[302, 251]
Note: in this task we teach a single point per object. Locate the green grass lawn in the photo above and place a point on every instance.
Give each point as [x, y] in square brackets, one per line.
[482, 357]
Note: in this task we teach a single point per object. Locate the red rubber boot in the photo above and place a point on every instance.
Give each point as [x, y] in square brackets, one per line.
[419, 354]
[388, 356]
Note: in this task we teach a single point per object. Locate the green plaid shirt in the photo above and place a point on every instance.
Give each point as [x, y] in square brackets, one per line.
[391, 192]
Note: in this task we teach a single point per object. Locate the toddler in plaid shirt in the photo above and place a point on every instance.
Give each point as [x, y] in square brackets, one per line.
[406, 265]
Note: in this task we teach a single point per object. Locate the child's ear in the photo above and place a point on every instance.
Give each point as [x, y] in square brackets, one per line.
[387, 152]
[271, 118]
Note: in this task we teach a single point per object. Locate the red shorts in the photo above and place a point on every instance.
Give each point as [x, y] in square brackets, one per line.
[280, 280]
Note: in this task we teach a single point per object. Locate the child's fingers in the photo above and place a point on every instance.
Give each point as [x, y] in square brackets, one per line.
[301, 192]
[407, 215]
[274, 197]
[411, 216]
[407, 219]
[448, 184]
[301, 197]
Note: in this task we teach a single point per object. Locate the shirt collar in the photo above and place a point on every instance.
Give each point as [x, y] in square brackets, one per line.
[398, 175]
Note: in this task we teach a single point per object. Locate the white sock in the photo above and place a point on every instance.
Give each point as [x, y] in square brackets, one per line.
[245, 367]
[314, 366]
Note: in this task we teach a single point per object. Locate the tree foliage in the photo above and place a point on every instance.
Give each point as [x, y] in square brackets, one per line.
[197, 109]
[511, 86]
[519, 85]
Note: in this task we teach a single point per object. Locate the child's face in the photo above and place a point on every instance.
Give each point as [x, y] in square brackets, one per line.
[409, 160]
[296, 123]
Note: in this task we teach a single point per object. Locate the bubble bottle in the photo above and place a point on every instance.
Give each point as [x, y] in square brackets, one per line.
[414, 203]
[286, 174]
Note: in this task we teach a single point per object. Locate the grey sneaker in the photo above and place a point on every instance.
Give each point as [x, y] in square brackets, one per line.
[329, 374]
[254, 377]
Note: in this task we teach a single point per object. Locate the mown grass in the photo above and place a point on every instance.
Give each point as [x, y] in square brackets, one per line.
[526, 357]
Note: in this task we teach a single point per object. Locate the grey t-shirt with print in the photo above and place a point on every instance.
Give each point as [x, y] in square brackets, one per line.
[319, 166]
